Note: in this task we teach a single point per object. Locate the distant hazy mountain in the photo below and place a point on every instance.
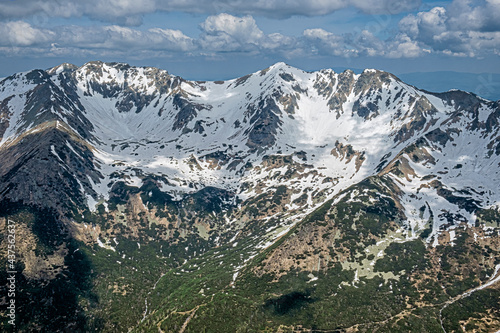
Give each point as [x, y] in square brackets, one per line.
[281, 201]
[484, 84]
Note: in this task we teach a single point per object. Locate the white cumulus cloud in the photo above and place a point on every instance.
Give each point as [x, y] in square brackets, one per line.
[19, 33]
[225, 30]
[228, 33]
[464, 28]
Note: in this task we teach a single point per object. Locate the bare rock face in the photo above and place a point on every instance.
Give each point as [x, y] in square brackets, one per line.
[265, 122]
[35, 170]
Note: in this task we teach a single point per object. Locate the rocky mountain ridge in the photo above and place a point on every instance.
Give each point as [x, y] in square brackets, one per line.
[346, 126]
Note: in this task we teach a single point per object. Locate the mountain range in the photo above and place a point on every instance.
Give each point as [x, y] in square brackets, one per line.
[485, 85]
[281, 201]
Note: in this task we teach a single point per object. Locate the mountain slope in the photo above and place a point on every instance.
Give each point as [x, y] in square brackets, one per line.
[283, 176]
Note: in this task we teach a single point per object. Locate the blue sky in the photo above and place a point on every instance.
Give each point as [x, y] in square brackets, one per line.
[209, 40]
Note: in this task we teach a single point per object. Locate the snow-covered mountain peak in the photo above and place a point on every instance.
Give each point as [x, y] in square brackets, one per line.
[281, 66]
[116, 77]
[62, 68]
